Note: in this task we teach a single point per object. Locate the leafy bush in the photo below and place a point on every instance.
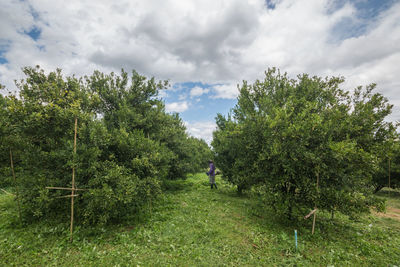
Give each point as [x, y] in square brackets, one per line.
[388, 162]
[127, 143]
[306, 142]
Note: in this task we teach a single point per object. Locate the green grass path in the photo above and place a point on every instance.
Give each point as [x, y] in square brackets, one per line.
[193, 225]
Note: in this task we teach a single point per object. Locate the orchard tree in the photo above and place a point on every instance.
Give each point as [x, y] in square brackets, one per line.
[228, 143]
[5, 181]
[388, 165]
[305, 142]
[132, 106]
[127, 143]
[200, 154]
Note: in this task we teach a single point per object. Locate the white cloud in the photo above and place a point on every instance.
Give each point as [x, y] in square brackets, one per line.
[201, 130]
[163, 94]
[226, 91]
[198, 91]
[210, 41]
[182, 97]
[177, 106]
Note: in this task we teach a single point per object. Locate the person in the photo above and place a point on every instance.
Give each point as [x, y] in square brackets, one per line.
[211, 174]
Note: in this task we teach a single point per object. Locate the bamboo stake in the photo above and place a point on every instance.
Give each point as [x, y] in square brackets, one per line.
[315, 213]
[311, 213]
[389, 177]
[73, 188]
[73, 181]
[313, 224]
[8, 193]
[16, 186]
[64, 188]
[67, 196]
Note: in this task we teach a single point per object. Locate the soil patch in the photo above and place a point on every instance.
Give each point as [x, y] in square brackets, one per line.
[390, 213]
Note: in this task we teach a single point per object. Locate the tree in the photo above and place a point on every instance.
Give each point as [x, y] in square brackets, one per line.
[286, 134]
[4, 141]
[388, 162]
[200, 154]
[127, 143]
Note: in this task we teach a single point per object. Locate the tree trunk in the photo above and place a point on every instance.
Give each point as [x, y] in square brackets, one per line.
[290, 212]
[240, 189]
[378, 188]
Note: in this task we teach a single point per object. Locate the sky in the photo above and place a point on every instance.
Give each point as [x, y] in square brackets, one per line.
[206, 48]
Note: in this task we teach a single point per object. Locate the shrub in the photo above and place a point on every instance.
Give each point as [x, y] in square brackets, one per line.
[127, 143]
[286, 134]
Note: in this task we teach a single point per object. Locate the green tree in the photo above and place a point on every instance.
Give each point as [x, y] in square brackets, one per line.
[200, 154]
[286, 134]
[4, 144]
[127, 143]
[388, 162]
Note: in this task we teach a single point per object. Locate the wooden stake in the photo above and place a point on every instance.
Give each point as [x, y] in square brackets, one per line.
[389, 177]
[311, 213]
[313, 223]
[73, 181]
[67, 196]
[73, 188]
[315, 213]
[64, 188]
[16, 186]
[8, 193]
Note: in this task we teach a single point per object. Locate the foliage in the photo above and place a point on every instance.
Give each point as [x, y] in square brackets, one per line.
[388, 161]
[200, 154]
[196, 226]
[5, 179]
[289, 135]
[127, 144]
[228, 142]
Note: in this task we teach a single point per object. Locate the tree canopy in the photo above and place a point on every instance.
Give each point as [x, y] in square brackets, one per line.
[127, 143]
[305, 142]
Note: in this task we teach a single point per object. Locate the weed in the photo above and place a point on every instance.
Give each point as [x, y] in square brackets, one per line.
[192, 225]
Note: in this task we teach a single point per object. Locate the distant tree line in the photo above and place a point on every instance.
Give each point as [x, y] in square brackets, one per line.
[127, 143]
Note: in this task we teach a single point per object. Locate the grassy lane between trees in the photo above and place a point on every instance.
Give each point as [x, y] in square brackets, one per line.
[193, 225]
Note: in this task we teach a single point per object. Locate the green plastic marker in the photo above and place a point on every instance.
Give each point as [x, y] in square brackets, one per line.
[295, 238]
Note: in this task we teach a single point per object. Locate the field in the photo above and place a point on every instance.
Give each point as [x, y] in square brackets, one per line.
[193, 225]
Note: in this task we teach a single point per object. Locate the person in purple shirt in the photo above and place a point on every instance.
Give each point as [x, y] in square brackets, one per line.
[211, 174]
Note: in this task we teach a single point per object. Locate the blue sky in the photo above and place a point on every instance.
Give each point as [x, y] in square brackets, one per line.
[367, 12]
[33, 33]
[206, 48]
[202, 100]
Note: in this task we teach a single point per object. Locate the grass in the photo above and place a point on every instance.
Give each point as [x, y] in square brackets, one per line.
[193, 225]
[392, 196]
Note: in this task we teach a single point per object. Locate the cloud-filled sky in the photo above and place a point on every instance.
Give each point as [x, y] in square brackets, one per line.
[206, 48]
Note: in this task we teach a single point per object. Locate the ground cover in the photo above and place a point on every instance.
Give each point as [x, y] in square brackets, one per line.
[193, 225]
